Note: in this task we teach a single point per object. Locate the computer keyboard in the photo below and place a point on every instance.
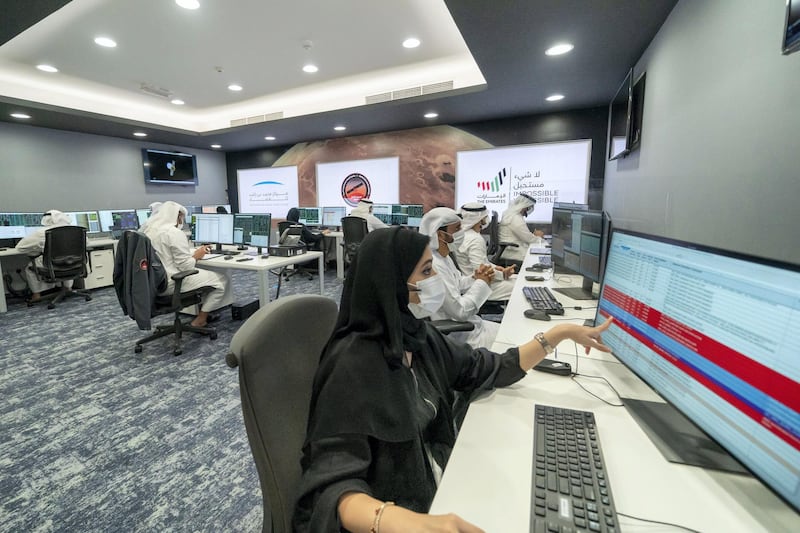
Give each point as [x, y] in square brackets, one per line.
[542, 299]
[570, 489]
[546, 260]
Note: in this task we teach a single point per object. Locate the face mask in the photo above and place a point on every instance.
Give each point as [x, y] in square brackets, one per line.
[458, 240]
[431, 296]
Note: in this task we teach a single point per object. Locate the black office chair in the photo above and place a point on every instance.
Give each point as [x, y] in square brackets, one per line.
[496, 248]
[354, 230]
[292, 233]
[277, 354]
[64, 258]
[138, 279]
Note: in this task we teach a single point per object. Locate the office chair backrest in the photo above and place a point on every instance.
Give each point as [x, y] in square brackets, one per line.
[494, 236]
[277, 351]
[64, 255]
[354, 230]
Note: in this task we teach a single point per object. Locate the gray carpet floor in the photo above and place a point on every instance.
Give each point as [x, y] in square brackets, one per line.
[96, 438]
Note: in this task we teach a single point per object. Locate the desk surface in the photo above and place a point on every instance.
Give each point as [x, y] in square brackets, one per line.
[488, 478]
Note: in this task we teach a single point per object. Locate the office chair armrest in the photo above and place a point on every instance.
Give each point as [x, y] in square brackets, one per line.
[181, 275]
[507, 244]
[449, 326]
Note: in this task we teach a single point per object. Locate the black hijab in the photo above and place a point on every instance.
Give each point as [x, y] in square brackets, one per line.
[293, 215]
[364, 357]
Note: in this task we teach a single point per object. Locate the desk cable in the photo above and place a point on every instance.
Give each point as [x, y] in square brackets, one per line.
[658, 522]
[577, 374]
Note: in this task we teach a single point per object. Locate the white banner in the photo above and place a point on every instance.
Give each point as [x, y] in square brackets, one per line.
[550, 172]
[345, 183]
[268, 190]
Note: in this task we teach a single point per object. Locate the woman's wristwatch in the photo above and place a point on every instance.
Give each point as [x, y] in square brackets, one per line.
[548, 348]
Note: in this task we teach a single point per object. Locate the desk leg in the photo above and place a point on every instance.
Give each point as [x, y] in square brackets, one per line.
[263, 288]
[339, 258]
[3, 307]
[321, 271]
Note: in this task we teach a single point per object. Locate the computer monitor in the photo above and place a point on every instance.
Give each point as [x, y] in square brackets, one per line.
[578, 246]
[142, 215]
[88, 219]
[119, 219]
[193, 210]
[332, 216]
[12, 232]
[406, 215]
[310, 216]
[216, 228]
[383, 212]
[21, 219]
[216, 208]
[713, 332]
[252, 229]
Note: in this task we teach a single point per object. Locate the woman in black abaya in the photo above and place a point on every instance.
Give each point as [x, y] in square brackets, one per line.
[381, 424]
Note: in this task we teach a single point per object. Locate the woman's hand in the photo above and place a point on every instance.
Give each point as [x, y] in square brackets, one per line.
[587, 337]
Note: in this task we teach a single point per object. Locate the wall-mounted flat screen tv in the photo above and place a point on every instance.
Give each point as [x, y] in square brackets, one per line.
[164, 167]
[791, 32]
[619, 119]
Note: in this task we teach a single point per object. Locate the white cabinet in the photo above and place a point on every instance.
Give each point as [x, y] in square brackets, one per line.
[102, 270]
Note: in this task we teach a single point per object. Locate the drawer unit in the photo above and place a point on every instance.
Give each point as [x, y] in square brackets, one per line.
[102, 271]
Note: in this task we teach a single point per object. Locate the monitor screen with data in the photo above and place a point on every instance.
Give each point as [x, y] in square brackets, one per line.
[216, 228]
[252, 229]
[88, 219]
[310, 216]
[121, 219]
[714, 333]
[332, 216]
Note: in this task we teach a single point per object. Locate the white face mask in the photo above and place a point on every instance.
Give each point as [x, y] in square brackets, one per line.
[431, 296]
[458, 240]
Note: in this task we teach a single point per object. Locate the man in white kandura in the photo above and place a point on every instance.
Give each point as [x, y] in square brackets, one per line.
[33, 245]
[364, 210]
[513, 229]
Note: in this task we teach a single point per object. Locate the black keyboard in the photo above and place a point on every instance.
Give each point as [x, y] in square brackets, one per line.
[546, 260]
[542, 299]
[570, 490]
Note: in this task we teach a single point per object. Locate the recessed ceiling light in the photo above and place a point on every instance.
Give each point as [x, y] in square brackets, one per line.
[340, 128]
[139, 134]
[20, 115]
[411, 42]
[47, 68]
[555, 97]
[188, 4]
[558, 49]
[177, 101]
[105, 41]
[269, 138]
[234, 87]
[216, 146]
[431, 115]
[310, 68]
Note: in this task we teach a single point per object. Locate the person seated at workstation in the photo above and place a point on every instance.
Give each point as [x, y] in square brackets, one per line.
[222, 210]
[364, 210]
[312, 239]
[388, 391]
[463, 294]
[472, 252]
[514, 229]
[153, 210]
[170, 243]
[33, 245]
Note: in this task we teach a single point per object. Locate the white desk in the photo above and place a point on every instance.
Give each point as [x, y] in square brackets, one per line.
[13, 253]
[263, 266]
[488, 478]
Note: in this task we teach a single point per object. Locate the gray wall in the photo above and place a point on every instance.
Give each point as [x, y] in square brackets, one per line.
[719, 162]
[44, 169]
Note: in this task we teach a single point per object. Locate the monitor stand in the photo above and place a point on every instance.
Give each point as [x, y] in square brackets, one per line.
[218, 249]
[578, 293]
[678, 439]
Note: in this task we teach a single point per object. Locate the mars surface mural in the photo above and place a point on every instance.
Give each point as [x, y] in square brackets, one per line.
[427, 161]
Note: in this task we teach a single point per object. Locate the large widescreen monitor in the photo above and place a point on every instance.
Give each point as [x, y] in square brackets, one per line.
[252, 229]
[713, 332]
[578, 246]
[216, 228]
[216, 208]
[332, 216]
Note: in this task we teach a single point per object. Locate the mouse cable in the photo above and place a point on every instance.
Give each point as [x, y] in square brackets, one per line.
[658, 522]
[579, 307]
[577, 374]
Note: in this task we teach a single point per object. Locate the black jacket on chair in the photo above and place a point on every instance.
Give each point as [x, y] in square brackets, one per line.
[139, 277]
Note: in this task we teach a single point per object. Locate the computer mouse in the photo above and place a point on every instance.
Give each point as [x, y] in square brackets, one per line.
[534, 278]
[228, 257]
[536, 315]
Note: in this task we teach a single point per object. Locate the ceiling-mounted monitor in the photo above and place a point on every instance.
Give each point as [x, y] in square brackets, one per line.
[175, 168]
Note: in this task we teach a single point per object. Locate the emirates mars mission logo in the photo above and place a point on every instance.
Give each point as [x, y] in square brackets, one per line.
[355, 187]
